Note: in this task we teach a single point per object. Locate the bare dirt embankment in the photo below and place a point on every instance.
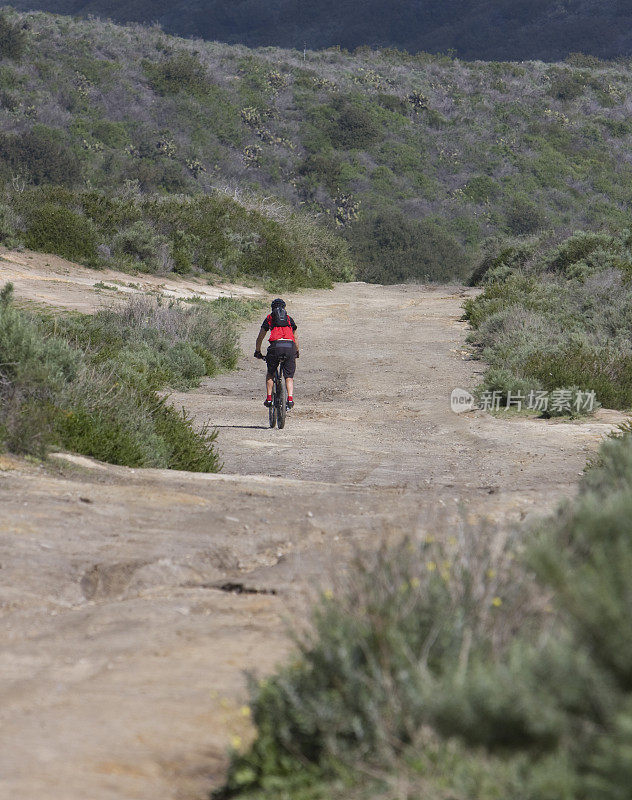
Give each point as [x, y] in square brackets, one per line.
[131, 601]
[52, 281]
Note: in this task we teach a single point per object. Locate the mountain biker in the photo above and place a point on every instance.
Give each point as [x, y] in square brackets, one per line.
[283, 342]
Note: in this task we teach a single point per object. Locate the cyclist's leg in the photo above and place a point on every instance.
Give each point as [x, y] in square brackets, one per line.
[289, 368]
[272, 360]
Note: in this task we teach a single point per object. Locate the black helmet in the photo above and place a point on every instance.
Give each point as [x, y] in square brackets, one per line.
[278, 303]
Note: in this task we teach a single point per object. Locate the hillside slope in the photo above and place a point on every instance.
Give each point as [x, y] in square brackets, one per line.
[505, 29]
[415, 160]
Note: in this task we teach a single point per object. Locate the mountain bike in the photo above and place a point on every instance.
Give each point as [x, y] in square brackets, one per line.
[278, 407]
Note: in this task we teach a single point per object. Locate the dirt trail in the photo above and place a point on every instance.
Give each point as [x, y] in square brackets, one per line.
[123, 630]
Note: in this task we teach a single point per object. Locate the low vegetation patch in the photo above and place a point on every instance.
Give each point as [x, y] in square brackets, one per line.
[89, 383]
[157, 344]
[557, 316]
[473, 665]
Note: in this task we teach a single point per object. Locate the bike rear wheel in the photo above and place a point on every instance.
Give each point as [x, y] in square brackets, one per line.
[281, 394]
[272, 410]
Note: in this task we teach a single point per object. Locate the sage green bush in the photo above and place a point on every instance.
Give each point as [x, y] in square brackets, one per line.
[12, 39]
[143, 247]
[88, 383]
[557, 316]
[160, 343]
[393, 248]
[51, 228]
[40, 155]
[181, 72]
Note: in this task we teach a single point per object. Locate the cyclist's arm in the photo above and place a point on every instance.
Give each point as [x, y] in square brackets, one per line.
[260, 338]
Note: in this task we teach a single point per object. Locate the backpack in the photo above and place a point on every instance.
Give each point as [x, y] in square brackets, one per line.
[279, 317]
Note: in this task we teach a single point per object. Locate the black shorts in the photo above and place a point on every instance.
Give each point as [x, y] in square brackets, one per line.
[275, 351]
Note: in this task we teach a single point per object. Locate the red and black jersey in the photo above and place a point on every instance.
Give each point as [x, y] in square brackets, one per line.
[279, 333]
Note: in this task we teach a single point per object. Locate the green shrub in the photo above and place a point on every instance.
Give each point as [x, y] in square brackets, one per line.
[500, 261]
[617, 127]
[33, 373]
[188, 365]
[381, 659]
[137, 430]
[189, 449]
[41, 154]
[567, 84]
[10, 224]
[353, 126]
[524, 217]
[503, 381]
[112, 134]
[481, 189]
[156, 233]
[577, 248]
[141, 243]
[558, 317]
[383, 179]
[54, 229]
[153, 344]
[8, 101]
[584, 61]
[325, 168]
[585, 557]
[393, 103]
[391, 248]
[120, 431]
[403, 158]
[182, 72]
[88, 384]
[604, 370]
[12, 39]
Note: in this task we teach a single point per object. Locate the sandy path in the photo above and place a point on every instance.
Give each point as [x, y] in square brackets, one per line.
[122, 653]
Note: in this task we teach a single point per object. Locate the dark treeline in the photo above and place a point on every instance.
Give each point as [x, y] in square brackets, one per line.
[475, 29]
